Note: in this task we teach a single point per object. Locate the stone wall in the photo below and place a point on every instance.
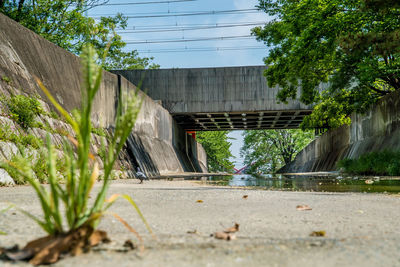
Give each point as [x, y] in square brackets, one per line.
[376, 130]
[153, 144]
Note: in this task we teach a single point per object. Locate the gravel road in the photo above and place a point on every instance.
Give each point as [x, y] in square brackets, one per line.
[361, 229]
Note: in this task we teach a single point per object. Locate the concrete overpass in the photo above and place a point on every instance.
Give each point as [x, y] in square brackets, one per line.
[230, 98]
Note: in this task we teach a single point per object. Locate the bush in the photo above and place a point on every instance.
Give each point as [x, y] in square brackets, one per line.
[374, 163]
[30, 140]
[14, 173]
[23, 109]
[12, 135]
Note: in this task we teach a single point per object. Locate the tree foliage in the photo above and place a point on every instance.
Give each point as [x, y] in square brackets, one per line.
[348, 47]
[217, 147]
[63, 22]
[266, 151]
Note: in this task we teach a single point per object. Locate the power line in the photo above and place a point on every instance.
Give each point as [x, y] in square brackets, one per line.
[182, 14]
[200, 49]
[191, 28]
[168, 26]
[146, 3]
[222, 38]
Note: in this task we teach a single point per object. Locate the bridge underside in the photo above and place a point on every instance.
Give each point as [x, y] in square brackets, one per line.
[241, 120]
[212, 99]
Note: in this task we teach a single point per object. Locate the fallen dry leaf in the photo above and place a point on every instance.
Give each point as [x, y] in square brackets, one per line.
[224, 236]
[98, 237]
[47, 250]
[318, 233]
[199, 201]
[227, 234]
[303, 207]
[192, 232]
[245, 196]
[232, 229]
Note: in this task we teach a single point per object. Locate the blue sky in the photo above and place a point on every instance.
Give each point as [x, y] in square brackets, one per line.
[194, 59]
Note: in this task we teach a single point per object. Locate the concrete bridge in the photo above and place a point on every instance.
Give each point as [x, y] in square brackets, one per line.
[230, 98]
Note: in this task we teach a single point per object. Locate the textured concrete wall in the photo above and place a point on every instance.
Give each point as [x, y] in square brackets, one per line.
[376, 130]
[208, 90]
[23, 55]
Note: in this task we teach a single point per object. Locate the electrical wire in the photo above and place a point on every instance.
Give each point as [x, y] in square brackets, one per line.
[170, 26]
[146, 3]
[191, 28]
[181, 14]
[200, 49]
[222, 38]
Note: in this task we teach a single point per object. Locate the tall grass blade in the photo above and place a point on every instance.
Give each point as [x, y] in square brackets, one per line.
[63, 112]
[114, 197]
[130, 229]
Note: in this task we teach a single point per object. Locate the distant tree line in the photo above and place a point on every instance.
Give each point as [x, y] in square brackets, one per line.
[217, 147]
[266, 151]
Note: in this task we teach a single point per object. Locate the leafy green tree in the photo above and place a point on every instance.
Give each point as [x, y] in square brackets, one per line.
[266, 151]
[350, 47]
[217, 146]
[63, 22]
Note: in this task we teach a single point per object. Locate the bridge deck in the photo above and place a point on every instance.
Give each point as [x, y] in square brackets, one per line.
[208, 99]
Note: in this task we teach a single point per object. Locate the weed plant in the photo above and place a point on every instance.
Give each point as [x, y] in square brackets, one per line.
[81, 168]
[53, 115]
[99, 131]
[6, 79]
[23, 109]
[11, 134]
[374, 163]
[38, 163]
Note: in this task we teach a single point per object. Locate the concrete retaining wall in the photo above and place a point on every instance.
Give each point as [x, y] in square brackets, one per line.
[376, 130]
[156, 144]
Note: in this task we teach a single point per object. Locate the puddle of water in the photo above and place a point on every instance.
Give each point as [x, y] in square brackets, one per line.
[317, 184]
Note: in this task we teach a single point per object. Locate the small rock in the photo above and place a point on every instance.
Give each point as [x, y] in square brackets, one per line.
[7, 121]
[7, 150]
[44, 105]
[5, 178]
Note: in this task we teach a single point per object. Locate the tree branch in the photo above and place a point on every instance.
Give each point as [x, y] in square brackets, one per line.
[20, 5]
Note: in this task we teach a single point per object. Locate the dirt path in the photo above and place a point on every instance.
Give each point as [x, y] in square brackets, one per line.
[361, 229]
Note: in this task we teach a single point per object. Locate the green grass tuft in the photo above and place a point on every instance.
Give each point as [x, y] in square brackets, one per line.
[23, 109]
[6, 79]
